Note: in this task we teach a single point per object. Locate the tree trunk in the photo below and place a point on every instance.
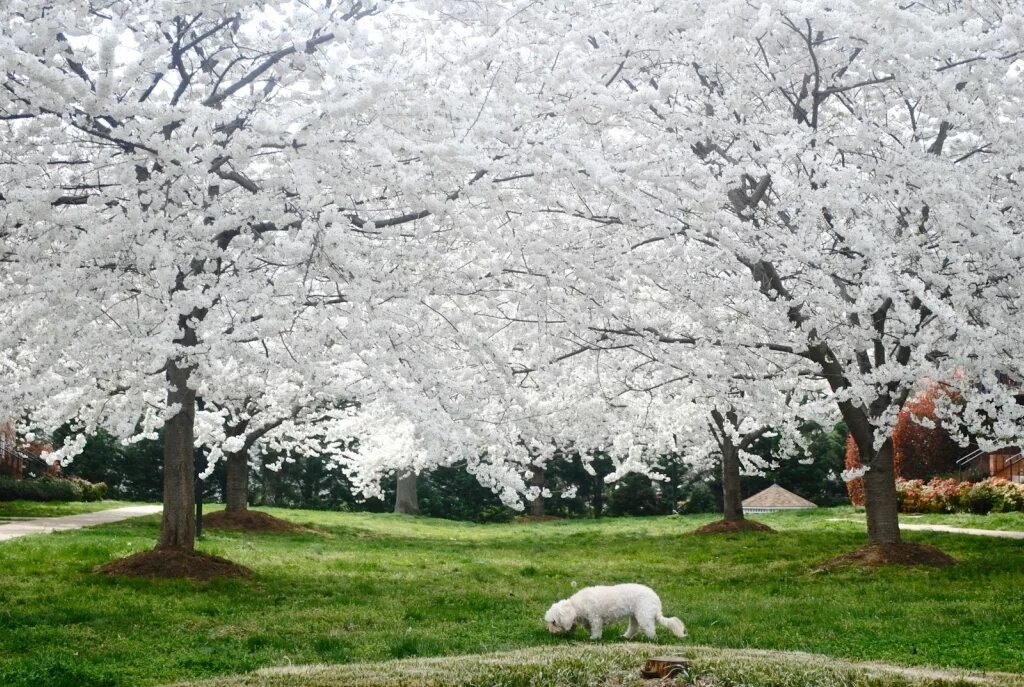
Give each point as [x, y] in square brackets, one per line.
[732, 498]
[732, 501]
[236, 493]
[598, 496]
[880, 502]
[537, 505]
[178, 528]
[406, 500]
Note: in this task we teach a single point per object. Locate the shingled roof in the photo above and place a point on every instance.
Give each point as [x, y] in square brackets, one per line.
[776, 498]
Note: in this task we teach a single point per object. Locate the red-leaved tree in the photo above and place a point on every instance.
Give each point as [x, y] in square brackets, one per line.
[920, 451]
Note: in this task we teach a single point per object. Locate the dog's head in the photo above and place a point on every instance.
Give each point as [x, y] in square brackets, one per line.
[561, 617]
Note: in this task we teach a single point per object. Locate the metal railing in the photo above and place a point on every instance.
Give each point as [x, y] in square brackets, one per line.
[1014, 461]
[33, 461]
[968, 458]
[30, 464]
[1013, 466]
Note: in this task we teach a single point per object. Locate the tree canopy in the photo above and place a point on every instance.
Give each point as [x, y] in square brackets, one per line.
[520, 228]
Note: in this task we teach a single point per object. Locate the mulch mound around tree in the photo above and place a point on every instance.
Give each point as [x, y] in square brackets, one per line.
[174, 563]
[904, 553]
[727, 526]
[250, 521]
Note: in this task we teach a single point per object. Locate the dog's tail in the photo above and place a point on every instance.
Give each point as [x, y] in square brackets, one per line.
[674, 624]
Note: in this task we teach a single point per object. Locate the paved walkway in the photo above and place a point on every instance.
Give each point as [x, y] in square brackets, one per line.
[1002, 534]
[73, 522]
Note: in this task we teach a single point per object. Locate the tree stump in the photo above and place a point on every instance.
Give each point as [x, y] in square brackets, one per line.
[664, 666]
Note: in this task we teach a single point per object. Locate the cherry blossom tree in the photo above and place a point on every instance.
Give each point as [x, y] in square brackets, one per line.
[186, 182]
[842, 177]
[243, 414]
[546, 225]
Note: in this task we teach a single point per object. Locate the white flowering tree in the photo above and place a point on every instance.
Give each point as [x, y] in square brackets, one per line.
[843, 177]
[186, 183]
[533, 228]
[250, 409]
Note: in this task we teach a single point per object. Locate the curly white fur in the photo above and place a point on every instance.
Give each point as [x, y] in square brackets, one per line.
[593, 607]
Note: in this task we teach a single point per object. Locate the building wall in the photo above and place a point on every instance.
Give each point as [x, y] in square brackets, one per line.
[10, 464]
[755, 510]
[1007, 464]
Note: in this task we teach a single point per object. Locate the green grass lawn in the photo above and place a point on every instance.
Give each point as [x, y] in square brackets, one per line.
[992, 521]
[373, 587]
[53, 509]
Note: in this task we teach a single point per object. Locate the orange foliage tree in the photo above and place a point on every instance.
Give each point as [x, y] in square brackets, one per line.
[919, 452]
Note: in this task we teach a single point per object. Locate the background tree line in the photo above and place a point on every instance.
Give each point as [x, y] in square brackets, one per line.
[135, 472]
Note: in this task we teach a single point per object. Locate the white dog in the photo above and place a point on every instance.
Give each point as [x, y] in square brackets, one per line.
[595, 606]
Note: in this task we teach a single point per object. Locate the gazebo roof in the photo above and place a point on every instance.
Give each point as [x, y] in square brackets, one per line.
[777, 497]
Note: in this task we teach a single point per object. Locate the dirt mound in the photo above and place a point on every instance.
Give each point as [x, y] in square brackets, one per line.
[174, 563]
[726, 526]
[250, 521]
[875, 555]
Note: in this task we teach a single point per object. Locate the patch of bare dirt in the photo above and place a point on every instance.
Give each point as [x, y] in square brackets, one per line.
[250, 521]
[904, 553]
[534, 518]
[174, 563]
[727, 526]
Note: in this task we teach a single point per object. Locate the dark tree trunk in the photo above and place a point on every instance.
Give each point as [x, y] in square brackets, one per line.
[178, 528]
[880, 504]
[236, 491]
[406, 500]
[598, 495]
[237, 483]
[537, 505]
[732, 498]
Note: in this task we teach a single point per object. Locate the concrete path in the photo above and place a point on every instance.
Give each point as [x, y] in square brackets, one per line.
[73, 522]
[1001, 534]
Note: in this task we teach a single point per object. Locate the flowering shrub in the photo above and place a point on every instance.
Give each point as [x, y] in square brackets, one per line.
[992, 495]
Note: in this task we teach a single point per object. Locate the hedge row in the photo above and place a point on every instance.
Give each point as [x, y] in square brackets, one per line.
[992, 495]
[51, 489]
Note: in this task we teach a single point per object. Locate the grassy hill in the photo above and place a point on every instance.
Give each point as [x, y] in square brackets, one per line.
[365, 587]
[613, 665]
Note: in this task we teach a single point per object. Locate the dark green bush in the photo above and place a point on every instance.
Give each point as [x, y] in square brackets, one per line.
[131, 471]
[981, 498]
[50, 489]
[637, 495]
[698, 498]
[454, 493]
